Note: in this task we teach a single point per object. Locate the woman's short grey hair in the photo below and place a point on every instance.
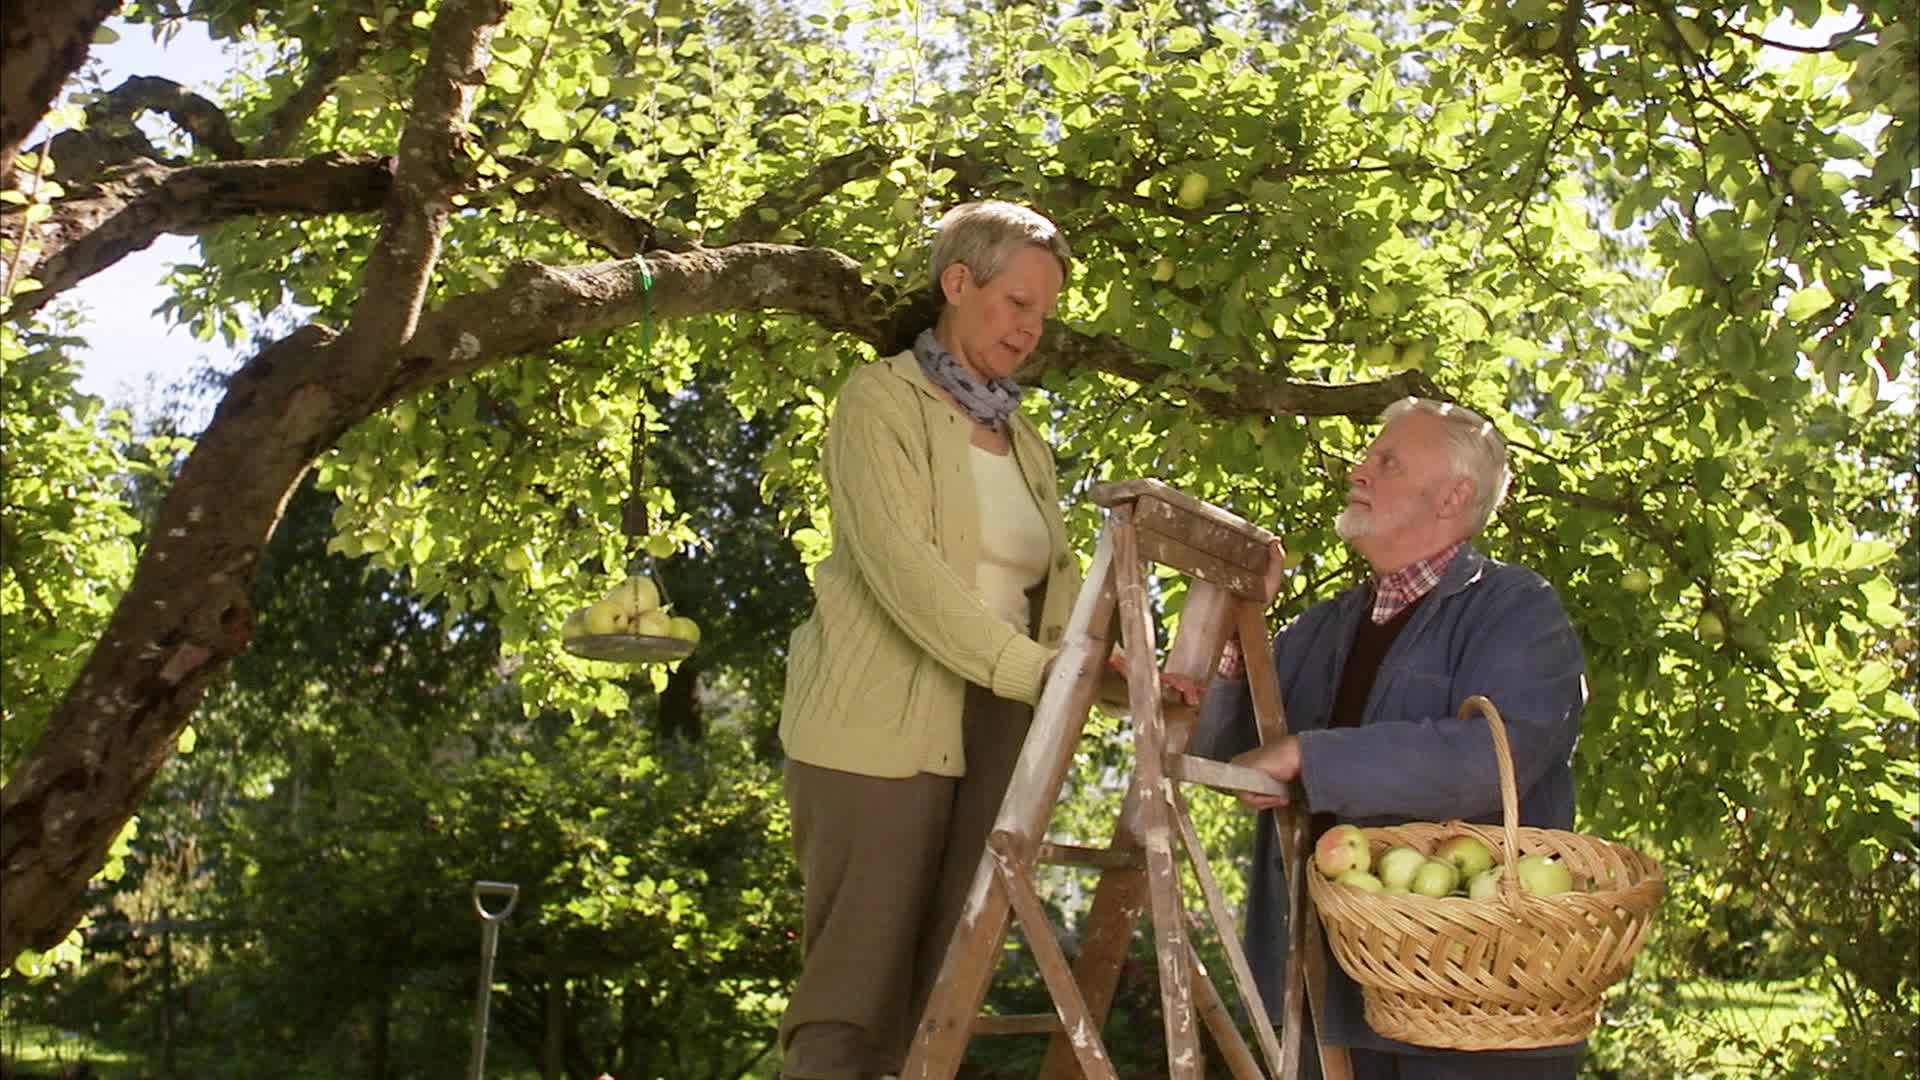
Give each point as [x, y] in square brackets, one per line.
[983, 236]
[1475, 449]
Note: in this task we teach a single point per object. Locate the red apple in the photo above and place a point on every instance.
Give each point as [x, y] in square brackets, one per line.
[1342, 848]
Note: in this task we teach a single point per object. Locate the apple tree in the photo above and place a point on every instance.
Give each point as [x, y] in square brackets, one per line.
[1671, 253]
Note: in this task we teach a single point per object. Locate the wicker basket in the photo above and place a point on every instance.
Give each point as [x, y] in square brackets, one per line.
[1512, 972]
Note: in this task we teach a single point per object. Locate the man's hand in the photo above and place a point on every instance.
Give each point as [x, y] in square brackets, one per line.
[1280, 760]
[1276, 569]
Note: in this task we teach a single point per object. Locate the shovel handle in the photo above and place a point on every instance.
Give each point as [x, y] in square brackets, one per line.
[484, 890]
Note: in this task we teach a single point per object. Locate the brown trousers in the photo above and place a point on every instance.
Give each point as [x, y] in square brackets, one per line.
[886, 864]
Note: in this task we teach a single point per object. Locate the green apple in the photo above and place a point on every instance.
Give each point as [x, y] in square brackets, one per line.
[604, 617]
[684, 628]
[1636, 581]
[1543, 875]
[517, 561]
[1435, 878]
[575, 625]
[1414, 355]
[1468, 853]
[635, 595]
[1804, 179]
[1380, 355]
[1546, 37]
[1163, 269]
[404, 415]
[1485, 884]
[1383, 304]
[1201, 329]
[1342, 848]
[1397, 865]
[655, 623]
[1193, 190]
[1710, 628]
[1360, 879]
[660, 547]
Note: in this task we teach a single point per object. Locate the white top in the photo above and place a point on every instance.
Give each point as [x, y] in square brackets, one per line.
[1013, 537]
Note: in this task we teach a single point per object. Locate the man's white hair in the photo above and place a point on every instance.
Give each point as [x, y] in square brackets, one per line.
[1475, 450]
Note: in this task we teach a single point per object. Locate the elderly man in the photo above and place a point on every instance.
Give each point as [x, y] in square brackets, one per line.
[1373, 679]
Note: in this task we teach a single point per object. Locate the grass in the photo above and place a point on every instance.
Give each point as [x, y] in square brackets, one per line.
[43, 1049]
[1718, 1029]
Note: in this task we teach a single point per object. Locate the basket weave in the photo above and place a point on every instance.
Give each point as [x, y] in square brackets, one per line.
[1514, 972]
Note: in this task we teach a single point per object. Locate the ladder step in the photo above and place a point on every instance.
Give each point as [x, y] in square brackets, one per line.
[1098, 858]
[1219, 774]
[1024, 1024]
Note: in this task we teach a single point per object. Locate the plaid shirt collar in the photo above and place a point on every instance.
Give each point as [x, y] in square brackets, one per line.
[1392, 593]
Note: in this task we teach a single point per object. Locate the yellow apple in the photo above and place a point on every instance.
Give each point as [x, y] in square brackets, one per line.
[683, 628]
[655, 623]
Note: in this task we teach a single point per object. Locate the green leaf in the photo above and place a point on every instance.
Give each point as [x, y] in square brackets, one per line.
[1808, 301]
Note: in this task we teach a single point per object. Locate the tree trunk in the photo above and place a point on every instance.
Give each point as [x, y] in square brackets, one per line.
[44, 42]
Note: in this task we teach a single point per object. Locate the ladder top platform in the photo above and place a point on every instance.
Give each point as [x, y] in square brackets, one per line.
[1193, 536]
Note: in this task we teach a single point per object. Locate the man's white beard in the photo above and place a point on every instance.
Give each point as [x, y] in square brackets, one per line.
[1356, 522]
[1352, 523]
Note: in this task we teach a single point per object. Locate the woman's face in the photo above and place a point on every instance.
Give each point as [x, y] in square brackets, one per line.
[993, 328]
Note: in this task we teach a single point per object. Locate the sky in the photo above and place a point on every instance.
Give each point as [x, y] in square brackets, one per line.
[126, 341]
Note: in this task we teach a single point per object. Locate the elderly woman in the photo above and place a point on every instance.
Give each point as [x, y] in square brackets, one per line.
[911, 685]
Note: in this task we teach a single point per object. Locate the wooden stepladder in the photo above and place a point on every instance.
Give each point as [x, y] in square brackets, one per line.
[1226, 560]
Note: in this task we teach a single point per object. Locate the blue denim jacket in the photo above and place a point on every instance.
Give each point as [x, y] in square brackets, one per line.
[1488, 628]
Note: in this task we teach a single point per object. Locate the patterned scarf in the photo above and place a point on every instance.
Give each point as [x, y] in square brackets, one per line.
[989, 403]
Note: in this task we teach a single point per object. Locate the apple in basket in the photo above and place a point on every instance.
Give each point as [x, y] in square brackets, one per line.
[1485, 884]
[1468, 853]
[1342, 848]
[1543, 875]
[1360, 879]
[1435, 878]
[1397, 865]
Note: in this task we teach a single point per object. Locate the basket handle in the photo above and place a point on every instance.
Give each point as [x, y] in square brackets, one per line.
[1509, 795]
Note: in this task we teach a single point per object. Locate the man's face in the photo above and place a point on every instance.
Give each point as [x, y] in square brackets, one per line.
[1394, 494]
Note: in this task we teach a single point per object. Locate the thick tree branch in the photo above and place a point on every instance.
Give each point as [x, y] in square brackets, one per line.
[91, 230]
[425, 176]
[195, 115]
[585, 211]
[44, 43]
